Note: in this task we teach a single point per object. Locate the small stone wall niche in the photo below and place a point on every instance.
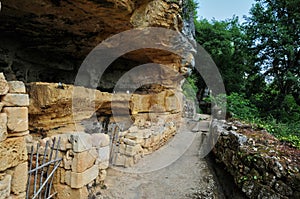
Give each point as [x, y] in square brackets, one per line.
[13, 130]
[85, 158]
[260, 164]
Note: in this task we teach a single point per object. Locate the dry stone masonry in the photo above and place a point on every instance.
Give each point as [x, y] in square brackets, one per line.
[13, 130]
[141, 139]
[85, 159]
[262, 167]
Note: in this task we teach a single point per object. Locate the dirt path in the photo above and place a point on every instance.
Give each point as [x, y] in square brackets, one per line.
[187, 177]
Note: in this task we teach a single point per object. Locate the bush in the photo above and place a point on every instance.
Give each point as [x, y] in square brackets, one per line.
[289, 132]
[236, 105]
[241, 108]
[286, 129]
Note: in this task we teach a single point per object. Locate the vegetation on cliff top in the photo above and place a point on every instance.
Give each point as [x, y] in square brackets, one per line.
[260, 63]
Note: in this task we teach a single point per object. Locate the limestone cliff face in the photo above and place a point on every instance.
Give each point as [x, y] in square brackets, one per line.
[52, 109]
[47, 40]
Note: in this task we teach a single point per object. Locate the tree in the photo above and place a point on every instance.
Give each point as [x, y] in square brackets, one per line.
[274, 39]
[224, 40]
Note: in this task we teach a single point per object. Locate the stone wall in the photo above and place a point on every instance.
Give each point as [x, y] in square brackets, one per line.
[261, 165]
[141, 139]
[85, 158]
[13, 129]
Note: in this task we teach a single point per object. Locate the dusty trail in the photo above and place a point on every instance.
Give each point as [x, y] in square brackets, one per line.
[188, 177]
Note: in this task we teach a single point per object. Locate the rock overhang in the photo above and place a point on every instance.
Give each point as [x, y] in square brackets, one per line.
[47, 40]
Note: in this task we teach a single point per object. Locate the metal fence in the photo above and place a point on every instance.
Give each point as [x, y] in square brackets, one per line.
[113, 132]
[42, 166]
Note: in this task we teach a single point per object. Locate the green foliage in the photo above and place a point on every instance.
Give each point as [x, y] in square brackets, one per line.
[241, 108]
[224, 41]
[189, 88]
[236, 105]
[219, 101]
[273, 36]
[260, 65]
[189, 9]
[289, 132]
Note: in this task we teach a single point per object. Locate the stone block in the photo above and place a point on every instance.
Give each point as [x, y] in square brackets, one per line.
[67, 179]
[138, 137]
[81, 142]
[17, 118]
[121, 148]
[129, 161]
[16, 87]
[140, 103]
[3, 126]
[129, 142]
[172, 104]
[19, 178]
[137, 157]
[103, 153]
[133, 150]
[103, 165]
[123, 160]
[12, 152]
[68, 159]
[62, 173]
[147, 142]
[31, 147]
[5, 182]
[119, 159]
[66, 192]
[3, 85]
[100, 139]
[84, 160]
[78, 180]
[63, 144]
[12, 99]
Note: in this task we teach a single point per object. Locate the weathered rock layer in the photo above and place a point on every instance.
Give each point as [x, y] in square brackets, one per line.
[47, 40]
[56, 110]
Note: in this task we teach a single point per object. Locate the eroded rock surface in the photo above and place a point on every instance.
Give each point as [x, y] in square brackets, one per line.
[47, 40]
[51, 108]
